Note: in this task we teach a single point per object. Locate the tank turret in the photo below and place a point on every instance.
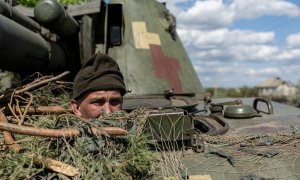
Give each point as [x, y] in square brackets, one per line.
[144, 43]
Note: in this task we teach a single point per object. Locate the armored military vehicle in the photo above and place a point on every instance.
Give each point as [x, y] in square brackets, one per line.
[203, 138]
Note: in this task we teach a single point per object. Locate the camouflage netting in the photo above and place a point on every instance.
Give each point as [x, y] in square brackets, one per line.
[260, 157]
[135, 156]
[274, 156]
[86, 157]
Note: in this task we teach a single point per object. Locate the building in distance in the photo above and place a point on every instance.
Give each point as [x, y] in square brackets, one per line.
[276, 89]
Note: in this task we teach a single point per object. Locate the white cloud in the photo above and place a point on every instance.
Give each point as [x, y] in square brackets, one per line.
[232, 68]
[287, 55]
[207, 15]
[223, 44]
[223, 37]
[213, 14]
[229, 75]
[293, 40]
[253, 52]
[251, 9]
[230, 57]
[271, 71]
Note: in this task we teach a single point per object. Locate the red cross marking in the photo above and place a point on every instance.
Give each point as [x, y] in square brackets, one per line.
[167, 68]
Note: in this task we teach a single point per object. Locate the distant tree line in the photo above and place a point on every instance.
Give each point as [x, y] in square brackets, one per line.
[295, 101]
[232, 92]
[251, 92]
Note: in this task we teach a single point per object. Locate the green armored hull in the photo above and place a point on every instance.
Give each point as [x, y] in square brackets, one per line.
[260, 147]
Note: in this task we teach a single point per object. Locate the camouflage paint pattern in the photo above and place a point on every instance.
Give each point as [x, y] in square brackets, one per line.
[151, 59]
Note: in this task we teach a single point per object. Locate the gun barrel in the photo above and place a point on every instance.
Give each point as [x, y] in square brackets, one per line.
[24, 51]
[53, 16]
[11, 13]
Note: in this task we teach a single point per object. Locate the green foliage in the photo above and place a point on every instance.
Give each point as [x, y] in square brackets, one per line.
[116, 158]
[56, 93]
[95, 156]
[22, 165]
[217, 92]
[140, 161]
[27, 3]
[69, 2]
[31, 3]
[17, 167]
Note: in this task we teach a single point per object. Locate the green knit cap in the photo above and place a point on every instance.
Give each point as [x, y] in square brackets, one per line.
[100, 72]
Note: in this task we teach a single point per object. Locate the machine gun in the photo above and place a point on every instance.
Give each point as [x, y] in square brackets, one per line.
[47, 42]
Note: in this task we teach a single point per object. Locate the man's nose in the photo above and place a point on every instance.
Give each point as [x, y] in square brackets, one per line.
[106, 109]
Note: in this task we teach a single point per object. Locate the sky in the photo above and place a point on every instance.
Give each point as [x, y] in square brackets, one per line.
[237, 43]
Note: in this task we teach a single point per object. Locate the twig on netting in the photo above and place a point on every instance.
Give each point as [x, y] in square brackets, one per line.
[44, 110]
[38, 76]
[17, 106]
[38, 79]
[58, 166]
[8, 137]
[89, 123]
[20, 97]
[64, 132]
[27, 139]
[64, 82]
[26, 108]
[42, 82]
[54, 165]
[11, 107]
[13, 112]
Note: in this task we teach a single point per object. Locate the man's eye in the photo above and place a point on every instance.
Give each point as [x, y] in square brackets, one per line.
[116, 102]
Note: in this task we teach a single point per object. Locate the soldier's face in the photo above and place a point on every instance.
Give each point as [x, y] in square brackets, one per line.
[95, 104]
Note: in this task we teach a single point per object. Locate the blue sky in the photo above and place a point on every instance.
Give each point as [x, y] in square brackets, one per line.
[235, 43]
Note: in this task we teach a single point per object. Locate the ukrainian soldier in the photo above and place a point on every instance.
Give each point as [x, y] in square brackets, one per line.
[98, 88]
